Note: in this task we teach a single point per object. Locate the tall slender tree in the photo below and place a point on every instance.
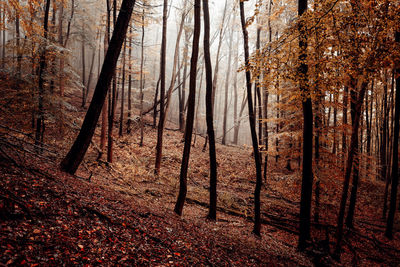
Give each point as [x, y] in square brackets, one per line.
[212, 213]
[395, 155]
[42, 68]
[252, 120]
[162, 91]
[307, 176]
[190, 110]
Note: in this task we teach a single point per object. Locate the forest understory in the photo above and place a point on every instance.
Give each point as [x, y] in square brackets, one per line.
[121, 213]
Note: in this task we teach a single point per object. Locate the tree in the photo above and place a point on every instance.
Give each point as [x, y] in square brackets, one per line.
[257, 191]
[307, 176]
[227, 87]
[395, 155]
[212, 213]
[141, 82]
[78, 150]
[190, 111]
[162, 91]
[112, 101]
[104, 113]
[42, 68]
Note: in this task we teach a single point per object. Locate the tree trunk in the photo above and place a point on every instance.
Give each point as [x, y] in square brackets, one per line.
[226, 89]
[121, 118]
[75, 156]
[257, 202]
[112, 103]
[349, 165]
[103, 133]
[221, 36]
[212, 212]
[190, 112]
[356, 168]
[395, 155]
[129, 122]
[344, 123]
[83, 52]
[156, 102]
[141, 83]
[162, 92]
[18, 37]
[40, 126]
[307, 176]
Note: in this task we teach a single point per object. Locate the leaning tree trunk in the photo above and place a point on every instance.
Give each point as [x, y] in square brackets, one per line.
[252, 121]
[75, 156]
[190, 111]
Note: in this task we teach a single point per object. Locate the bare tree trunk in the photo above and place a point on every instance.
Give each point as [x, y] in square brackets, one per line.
[307, 176]
[40, 125]
[257, 192]
[350, 158]
[129, 122]
[221, 36]
[266, 95]
[226, 88]
[344, 122]
[395, 155]
[18, 37]
[156, 102]
[84, 89]
[236, 97]
[121, 119]
[212, 212]
[190, 112]
[162, 92]
[104, 114]
[89, 81]
[75, 156]
[356, 168]
[112, 103]
[182, 98]
[175, 63]
[141, 83]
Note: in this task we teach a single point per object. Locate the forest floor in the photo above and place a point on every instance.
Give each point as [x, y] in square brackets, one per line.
[121, 213]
